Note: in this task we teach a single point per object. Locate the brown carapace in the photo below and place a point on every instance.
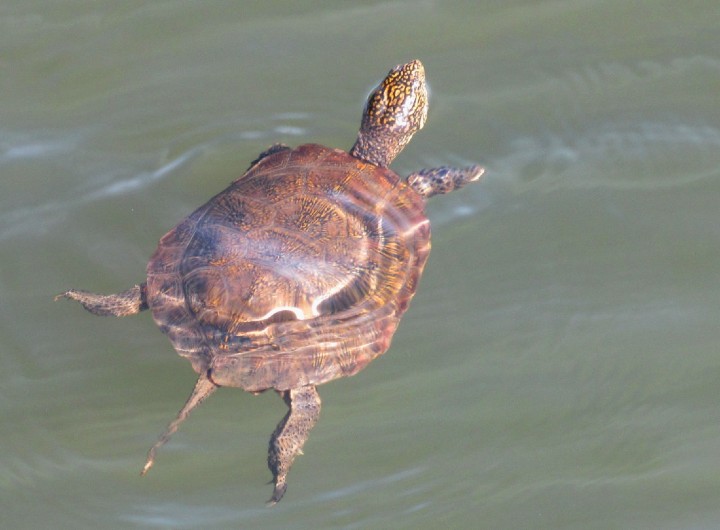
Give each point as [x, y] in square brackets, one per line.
[298, 272]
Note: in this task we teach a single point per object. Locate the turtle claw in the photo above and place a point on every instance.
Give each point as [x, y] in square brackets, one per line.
[278, 493]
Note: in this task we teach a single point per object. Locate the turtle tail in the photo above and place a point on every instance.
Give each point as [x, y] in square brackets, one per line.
[203, 388]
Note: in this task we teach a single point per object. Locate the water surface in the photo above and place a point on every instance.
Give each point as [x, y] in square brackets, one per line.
[559, 365]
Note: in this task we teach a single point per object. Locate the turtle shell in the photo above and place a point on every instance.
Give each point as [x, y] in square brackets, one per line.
[296, 274]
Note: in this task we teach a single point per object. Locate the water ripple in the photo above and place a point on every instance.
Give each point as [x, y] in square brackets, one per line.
[622, 156]
[39, 218]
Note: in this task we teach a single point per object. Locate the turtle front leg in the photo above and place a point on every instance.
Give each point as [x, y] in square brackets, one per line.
[438, 180]
[117, 305]
[289, 437]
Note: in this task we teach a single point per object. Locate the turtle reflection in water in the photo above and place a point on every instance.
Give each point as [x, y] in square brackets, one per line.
[299, 272]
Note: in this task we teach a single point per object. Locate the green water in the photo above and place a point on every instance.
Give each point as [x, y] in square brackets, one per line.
[559, 366]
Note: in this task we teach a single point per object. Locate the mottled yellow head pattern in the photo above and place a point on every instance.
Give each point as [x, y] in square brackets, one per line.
[394, 112]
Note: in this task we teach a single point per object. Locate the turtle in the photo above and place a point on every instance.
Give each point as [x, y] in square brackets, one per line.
[298, 273]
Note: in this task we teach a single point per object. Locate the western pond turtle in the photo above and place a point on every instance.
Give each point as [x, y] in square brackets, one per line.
[298, 272]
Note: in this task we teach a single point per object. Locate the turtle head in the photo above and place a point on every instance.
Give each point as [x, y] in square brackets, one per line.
[394, 112]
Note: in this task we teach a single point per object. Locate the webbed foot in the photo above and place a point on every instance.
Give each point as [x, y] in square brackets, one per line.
[274, 148]
[117, 305]
[438, 180]
[289, 437]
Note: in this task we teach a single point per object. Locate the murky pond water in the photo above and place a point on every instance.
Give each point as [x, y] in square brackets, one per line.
[559, 366]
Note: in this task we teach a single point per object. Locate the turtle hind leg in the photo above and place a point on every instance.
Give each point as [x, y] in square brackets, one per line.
[121, 304]
[289, 437]
[439, 180]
